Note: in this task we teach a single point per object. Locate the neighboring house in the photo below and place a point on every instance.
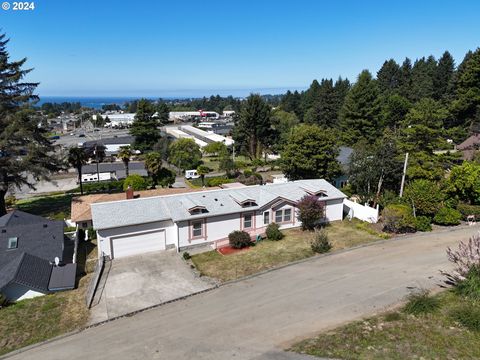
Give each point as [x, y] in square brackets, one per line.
[469, 146]
[111, 171]
[112, 145]
[137, 226]
[81, 213]
[343, 158]
[29, 245]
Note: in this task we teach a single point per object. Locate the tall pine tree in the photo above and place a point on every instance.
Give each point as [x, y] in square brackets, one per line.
[145, 126]
[26, 155]
[443, 78]
[253, 127]
[360, 114]
[388, 77]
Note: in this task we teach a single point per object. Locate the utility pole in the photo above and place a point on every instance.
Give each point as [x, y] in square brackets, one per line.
[404, 173]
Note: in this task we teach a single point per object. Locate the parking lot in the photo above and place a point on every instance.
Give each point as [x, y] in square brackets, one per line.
[73, 138]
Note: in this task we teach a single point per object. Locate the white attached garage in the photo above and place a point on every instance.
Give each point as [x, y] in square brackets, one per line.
[139, 243]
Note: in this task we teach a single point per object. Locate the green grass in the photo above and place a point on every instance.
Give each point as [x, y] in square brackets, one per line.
[268, 254]
[33, 320]
[421, 302]
[56, 207]
[397, 335]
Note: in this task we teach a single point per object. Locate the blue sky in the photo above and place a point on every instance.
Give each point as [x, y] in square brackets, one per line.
[160, 48]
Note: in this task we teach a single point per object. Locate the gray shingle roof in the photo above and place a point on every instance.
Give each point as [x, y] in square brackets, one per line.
[39, 241]
[27, 270]
[217, 202]
[36, 235]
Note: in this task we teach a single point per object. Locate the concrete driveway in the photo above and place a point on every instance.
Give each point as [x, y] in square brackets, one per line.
[137, 282]
[257, 317]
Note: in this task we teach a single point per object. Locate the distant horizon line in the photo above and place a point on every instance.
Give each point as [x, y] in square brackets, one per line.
[200, 93]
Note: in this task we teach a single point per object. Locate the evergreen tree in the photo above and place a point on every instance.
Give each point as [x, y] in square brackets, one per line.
[26, 155]
[388, 77]
[163, 113]
[394, 109]
[310, 153]
[405, 79]
[310, 97]
[341, 89]
[466, 106]
[144, 127]
[423, 72]
[324, 111]
[253, 128]
[422, 128]
[443, 79]
[360, 114]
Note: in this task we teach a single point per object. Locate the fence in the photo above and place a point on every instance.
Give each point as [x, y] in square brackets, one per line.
[362, 212]
[92, 287]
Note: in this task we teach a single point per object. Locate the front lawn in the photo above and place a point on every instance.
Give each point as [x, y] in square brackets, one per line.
[33, 320]
[268, 254]
[55, 207]
[399, 335]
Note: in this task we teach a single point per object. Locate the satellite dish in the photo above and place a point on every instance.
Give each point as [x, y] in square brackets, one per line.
[57, 261]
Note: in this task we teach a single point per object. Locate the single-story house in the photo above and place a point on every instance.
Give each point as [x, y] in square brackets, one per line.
[136, 226]
[112, 145]
[81, 213]
[112, 171]
[29, 246]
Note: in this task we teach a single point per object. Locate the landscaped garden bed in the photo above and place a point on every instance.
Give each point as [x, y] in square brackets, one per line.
[267, 254]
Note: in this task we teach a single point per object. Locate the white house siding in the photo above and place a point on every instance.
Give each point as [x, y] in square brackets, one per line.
[104, 236]
[334, 210]
[17, 292]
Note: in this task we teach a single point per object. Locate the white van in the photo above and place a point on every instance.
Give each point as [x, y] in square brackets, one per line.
[191, 174]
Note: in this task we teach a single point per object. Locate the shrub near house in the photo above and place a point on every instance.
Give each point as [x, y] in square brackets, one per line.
[239, 239]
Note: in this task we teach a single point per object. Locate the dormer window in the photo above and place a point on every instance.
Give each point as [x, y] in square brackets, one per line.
[249, 204]
[197, 210]
[13, 243]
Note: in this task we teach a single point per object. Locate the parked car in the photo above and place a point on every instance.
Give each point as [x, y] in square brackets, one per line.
[191, 174]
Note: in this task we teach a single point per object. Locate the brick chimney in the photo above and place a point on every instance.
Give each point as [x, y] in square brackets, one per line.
[129, 192]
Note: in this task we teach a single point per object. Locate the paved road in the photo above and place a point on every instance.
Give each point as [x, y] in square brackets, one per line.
[255, 318]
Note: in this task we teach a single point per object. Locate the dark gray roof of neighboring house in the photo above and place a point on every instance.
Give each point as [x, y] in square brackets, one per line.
[344, 155]
[36, 235]
[39, 241]
[133, 167]
[470, 143]
[63, 277]
[27, 270]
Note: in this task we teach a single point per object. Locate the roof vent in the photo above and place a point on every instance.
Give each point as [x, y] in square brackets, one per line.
[45, 225]
[216, 199]
[4, 231]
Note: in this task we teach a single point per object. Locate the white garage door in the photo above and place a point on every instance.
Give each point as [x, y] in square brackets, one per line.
[138, 244]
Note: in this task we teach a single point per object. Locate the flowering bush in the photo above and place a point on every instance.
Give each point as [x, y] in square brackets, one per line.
[465, 258]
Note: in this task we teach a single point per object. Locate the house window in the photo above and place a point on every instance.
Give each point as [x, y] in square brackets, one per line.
[12, 243]
[266, 217]
[278, 216]
[247, 221]
[197, 229]
[283, 216]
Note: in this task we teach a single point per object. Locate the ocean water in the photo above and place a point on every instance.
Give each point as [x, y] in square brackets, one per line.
[96, 102]
[91, 102]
